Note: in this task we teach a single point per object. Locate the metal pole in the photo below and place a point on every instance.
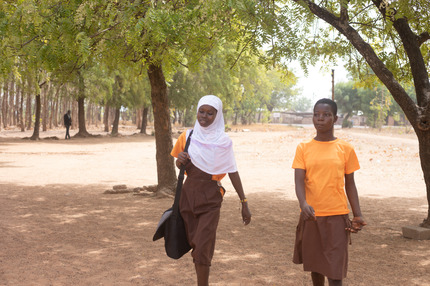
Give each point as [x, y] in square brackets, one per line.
[332, 84]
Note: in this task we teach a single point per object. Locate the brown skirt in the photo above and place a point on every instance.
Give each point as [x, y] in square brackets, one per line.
[322, 245]
[200, 206]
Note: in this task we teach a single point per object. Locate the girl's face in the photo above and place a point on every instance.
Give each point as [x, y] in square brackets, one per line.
[206, 115]
[323, 118]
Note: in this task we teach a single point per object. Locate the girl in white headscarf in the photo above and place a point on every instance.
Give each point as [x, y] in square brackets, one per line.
[210, 157]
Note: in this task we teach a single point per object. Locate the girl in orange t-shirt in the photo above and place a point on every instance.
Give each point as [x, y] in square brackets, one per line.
[324, 170]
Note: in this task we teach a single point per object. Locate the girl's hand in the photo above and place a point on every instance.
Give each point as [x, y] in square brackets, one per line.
[246, 213]
[308, 212]
[356, 224]
[183, 158]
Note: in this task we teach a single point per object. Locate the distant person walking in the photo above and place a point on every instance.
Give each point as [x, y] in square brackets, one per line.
[67, 123]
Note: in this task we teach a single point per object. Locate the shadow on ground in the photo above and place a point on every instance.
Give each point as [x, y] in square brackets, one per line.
[76, 235]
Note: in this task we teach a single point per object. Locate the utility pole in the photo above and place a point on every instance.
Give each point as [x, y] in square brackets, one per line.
[332, 84]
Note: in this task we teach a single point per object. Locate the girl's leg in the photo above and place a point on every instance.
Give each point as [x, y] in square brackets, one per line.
[202, 272]
[332, 282]
[317, 279]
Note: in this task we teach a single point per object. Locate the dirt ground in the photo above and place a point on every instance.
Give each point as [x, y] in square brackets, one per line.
[58, 227]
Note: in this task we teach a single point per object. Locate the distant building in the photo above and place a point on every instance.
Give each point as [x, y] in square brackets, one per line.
[292, 117]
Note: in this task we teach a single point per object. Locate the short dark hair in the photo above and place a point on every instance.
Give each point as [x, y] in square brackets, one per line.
[330, 102]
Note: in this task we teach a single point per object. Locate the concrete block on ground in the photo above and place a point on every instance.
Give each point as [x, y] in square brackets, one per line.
[119, 187]
[416, 232]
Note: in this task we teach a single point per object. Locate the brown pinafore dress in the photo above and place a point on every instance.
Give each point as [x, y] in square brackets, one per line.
[200, 206]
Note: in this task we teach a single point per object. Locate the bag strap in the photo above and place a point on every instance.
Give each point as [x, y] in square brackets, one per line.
[180, 179]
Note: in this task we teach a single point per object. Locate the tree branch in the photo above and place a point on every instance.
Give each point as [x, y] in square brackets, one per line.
[344, 17]
[411, 45]
[372, 59]
[105, 30]
[243, 49]
[29, 41]
[423, 37]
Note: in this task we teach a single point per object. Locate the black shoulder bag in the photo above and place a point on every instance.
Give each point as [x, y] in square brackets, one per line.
[171, 225]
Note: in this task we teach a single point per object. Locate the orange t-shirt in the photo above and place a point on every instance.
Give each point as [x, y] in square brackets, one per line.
[180, 146]
[326, 164]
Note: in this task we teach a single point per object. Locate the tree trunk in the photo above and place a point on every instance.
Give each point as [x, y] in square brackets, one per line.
[345, 123]
[424, 149]
[81, 108]
[15, 101]
[28, 111]
[21, 111]
[5, 103]
[51, 112]
[88, 114]
[45, 107]
[35, 135]
[11, 115]
[55, 111]
[236, 115]
[138, 116]
[115, 123]
[1, 108]
[75, 112]
[180, 118]
[163, 138]
[106, 118]
[144, 120]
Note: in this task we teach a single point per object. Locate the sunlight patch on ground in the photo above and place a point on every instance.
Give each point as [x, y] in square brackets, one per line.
[65, 219]
[420, 208]
[96, 212]
[26, 215]
[228, 258]
[20, 228]
[144, 224]
[420, 281]
[95, 252]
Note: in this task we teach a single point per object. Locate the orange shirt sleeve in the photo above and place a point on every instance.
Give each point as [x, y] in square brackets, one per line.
[352, 164]
[179, 145]
[299, 160]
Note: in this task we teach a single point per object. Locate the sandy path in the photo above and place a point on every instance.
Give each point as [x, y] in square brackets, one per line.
[58, 228]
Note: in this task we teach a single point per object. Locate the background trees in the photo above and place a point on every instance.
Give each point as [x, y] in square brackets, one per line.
[87, 54]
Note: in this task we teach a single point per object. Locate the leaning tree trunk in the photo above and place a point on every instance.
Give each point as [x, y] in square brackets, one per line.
[144, 120]
[35, 135]
[81, 109]
[163, 138]
[115, 123]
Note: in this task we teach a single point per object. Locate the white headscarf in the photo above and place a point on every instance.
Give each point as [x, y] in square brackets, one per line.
[211, 150]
